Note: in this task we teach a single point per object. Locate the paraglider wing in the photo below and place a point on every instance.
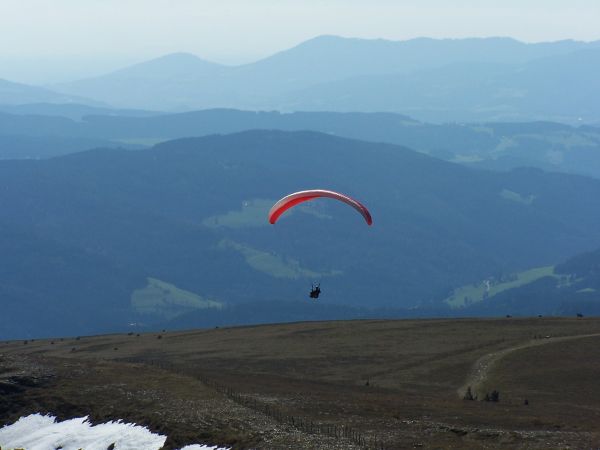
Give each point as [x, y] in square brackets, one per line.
[292, 200]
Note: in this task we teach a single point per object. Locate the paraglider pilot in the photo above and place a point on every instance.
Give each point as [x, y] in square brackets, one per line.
[315, 291]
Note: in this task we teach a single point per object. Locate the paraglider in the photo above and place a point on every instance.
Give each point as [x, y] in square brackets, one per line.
[291, 200]
[315, 291]
[296, 198]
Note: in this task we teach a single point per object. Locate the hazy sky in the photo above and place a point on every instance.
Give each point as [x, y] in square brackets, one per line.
[83, 37]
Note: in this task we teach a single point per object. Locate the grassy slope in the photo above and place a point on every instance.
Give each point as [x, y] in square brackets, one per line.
[318, 372]
[560, 378]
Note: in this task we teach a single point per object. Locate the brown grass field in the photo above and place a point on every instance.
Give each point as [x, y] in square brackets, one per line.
[326, 385]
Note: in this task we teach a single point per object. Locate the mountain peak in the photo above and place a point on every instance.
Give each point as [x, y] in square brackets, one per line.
[180, 57]
[171, 62]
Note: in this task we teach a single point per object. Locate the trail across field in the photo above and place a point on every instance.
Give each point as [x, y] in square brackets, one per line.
[484, 365]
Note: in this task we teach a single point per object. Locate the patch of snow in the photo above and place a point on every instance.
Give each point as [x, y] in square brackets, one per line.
[37, 432]
[200, 447]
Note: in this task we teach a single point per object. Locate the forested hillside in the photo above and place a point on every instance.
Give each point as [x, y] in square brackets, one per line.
[192, 213]
[498, 146]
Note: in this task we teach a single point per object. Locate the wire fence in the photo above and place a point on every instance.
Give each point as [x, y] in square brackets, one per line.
[303, 424]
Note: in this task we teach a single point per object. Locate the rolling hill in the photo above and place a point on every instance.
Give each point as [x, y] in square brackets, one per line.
[560, 88]
[192, 213]
[497, 146]
[12, 93]
[36, 147]
[74, 111]
[173, 82]
[457, 80]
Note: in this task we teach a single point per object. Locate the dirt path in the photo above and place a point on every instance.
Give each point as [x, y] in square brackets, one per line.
[483, 365]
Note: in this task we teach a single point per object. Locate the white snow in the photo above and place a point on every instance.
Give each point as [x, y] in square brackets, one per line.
[37, 432]
[200, 447]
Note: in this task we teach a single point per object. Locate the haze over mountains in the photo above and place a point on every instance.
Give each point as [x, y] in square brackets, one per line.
[85, 234]
[559, 88]
[12, 93]
[116, 213]
[433, 270]
[433, 80]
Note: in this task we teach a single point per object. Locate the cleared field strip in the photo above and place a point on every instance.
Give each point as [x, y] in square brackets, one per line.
[486, 289]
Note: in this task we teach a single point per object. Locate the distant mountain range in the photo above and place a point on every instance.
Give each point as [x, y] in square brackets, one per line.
[498, 146]
[433, 80]
[18, 94]
[561, 88]
[98, 240]
[74, 111]
[38, 147]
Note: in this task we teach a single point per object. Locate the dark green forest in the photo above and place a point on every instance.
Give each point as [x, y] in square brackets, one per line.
[86, 230]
